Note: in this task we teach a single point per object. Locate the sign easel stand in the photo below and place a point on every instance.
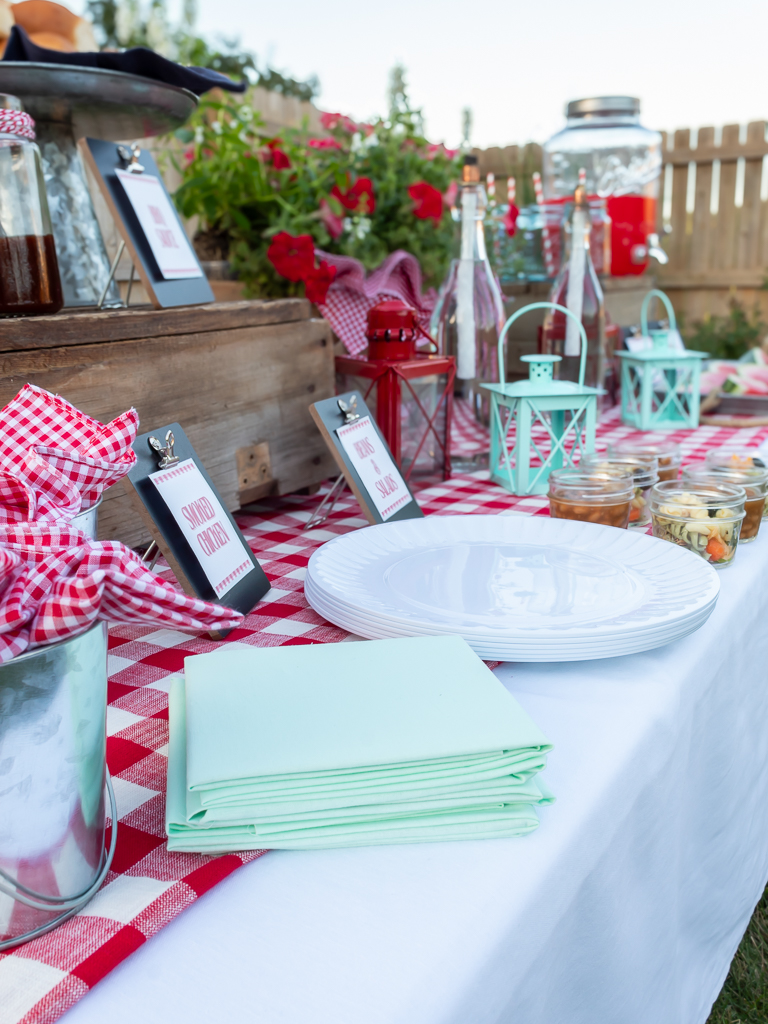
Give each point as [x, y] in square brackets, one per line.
[112, 271]
[318, 518]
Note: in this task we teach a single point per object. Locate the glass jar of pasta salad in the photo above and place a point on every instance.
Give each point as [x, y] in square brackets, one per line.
[704, 517]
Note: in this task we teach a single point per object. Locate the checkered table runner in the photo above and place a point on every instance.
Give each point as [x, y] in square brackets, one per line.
[148, 886]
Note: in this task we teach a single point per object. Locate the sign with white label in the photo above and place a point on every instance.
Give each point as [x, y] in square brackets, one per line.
[204, 524]
[159, 222]
[373, 463]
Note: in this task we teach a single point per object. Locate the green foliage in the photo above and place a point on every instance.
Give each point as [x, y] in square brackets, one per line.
[744, 998]
[728, 337]
[231, 182]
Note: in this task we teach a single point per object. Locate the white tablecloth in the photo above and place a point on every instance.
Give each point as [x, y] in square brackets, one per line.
[626, 906]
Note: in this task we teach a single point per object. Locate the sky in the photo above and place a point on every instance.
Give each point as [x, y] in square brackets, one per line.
[691, 62]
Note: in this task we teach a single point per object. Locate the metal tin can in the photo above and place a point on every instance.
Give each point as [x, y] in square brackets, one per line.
[53, 703]
[87, 520]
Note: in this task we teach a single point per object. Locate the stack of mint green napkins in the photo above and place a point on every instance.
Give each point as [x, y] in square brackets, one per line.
[350, 744]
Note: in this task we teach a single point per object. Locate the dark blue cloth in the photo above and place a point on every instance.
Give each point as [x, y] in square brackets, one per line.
[137, 61]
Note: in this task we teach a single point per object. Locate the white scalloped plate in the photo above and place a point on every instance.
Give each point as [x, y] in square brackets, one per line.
[524, 589]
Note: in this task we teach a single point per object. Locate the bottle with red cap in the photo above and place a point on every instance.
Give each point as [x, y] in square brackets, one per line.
[469, 313]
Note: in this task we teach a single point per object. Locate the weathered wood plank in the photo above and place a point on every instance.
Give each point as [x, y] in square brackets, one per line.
[715, 278]
[747, 243]
[677, 245]
[727, 216]
[680, 155]
[83, 328]
[228, 388]
[702, 218]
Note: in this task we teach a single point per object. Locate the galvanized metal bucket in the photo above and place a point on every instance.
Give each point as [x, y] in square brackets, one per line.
[87, 520]
[53, 703]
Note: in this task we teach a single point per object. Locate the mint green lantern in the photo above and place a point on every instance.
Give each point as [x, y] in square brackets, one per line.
[567, 411]
[660, 386]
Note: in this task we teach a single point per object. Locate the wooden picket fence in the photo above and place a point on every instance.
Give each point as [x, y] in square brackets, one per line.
[713, 213]
[715, 206]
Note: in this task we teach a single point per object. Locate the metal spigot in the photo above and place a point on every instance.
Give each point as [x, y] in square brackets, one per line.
[640, 253]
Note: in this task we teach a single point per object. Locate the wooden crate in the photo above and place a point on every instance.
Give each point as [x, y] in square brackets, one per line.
[234, 375]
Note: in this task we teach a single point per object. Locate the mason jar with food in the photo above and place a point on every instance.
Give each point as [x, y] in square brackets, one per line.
[704, 517]
[591, 496]
[667, 452]
[644, 471]
[753, 480]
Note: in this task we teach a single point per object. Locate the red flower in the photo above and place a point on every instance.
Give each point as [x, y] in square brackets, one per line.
[317, 283]
[292, 256]
[325, 144]
[189, 156]
[359, 198]
[277, 157]
[333, 121]
[440, 148]
[427, 201]
[510, 220]
[332, 221]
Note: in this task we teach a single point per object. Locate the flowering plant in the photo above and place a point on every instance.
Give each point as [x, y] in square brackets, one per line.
[264, 203]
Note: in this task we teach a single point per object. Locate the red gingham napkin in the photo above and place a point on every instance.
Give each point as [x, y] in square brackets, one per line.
[55, 460]
[55, 583]
[352, 294]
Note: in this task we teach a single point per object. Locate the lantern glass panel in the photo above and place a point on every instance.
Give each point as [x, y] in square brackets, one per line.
[420, 456]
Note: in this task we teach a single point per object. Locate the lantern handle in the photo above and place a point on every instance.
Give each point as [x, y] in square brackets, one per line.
[655, 293]
[426, 335]
[545, 305]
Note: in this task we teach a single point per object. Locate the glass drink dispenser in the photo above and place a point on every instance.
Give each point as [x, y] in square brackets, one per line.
[622, 160]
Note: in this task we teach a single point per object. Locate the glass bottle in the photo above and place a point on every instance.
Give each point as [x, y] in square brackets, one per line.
[578, 289]
[29, 271]
[469, 313]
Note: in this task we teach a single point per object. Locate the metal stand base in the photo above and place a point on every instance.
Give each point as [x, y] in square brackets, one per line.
[318, 517]
[110, 279]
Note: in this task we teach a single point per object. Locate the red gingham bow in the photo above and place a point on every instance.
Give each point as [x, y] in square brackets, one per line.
[54, 583]
[16, 122]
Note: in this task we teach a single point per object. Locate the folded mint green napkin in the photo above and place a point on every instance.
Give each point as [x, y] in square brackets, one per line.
[387, 741]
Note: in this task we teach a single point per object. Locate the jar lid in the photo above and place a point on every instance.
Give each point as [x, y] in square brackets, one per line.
[621, 105]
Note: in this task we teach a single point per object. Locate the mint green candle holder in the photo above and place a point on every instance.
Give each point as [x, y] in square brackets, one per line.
[660, 387]
[567, 411]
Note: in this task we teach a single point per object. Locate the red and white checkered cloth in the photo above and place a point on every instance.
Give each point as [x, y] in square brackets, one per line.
[55, 460]
[54, 583]
[352, 294]
[147, 886]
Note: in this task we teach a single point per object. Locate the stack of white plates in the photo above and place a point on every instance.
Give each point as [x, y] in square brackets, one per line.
[516, 589]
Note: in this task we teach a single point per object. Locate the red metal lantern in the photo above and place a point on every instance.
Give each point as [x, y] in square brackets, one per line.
[410, 391]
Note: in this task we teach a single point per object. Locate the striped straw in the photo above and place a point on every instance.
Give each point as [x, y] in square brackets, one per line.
[537, 188]
[583, 176]
[510, 190]
[490, 180]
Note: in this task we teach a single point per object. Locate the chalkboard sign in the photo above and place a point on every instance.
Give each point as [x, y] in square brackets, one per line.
[148, 223]
[199, 538]
[363, 456]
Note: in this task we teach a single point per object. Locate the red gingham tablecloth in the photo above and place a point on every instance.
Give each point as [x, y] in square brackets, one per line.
[148, 886]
